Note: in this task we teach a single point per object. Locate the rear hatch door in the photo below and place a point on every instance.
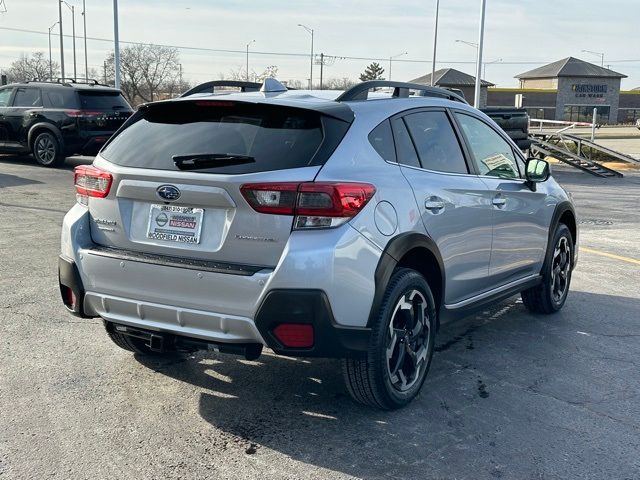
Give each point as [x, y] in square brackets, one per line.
[102, 111]
[157, 206]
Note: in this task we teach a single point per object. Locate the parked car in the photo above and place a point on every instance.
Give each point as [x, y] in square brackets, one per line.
[53, 120]
[318, 224]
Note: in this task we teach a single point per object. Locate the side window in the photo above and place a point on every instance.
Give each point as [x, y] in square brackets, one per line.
[436, 142]
[404, 145]
[27, 97]
[5, 96]
[381, 140]
[492, 154]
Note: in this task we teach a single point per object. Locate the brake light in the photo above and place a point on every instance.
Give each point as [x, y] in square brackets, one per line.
[314, 204]
[91, 182]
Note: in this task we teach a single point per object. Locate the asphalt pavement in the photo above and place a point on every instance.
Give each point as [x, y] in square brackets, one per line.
[510, 394]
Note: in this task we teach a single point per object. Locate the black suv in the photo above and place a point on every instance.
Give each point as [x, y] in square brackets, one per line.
[54, 120]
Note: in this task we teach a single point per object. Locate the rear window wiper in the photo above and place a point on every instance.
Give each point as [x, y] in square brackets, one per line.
[194, 161]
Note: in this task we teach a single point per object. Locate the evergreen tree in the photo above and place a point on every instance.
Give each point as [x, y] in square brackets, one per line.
[372, 72]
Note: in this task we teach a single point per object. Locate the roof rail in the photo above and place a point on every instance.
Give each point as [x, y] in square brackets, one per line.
[400, 90]
[209, 87]
[68, 81]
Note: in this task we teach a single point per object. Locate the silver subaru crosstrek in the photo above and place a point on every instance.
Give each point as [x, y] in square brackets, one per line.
[318, 224]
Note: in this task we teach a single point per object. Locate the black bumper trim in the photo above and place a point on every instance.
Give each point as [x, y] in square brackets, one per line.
[176, 262]
[69, 277]
[309, 307]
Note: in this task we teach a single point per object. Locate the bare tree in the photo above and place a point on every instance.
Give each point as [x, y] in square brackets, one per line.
[240, 74]
[146, 71]
[343, 83]
[35, 67]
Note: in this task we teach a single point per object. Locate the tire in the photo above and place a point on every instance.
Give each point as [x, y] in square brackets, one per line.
[393, 382]
[47, 150]
[550, 296]
[131, 344]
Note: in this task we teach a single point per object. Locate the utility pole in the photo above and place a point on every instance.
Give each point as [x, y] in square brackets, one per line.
[310, 31]
[61, 39]
[116, 42]
[180, 76]
[252, 41]
[476, 100]
[84, 20]
[50, 59]
[321, 68]
[104, 67]
[599, 54]
[435, 45]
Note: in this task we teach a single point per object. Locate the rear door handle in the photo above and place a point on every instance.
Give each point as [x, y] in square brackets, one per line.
[434, 204]
[499, 201]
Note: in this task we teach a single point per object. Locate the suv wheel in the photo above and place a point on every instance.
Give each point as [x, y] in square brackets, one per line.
[401, 345]
[46, 150]
[550, 295]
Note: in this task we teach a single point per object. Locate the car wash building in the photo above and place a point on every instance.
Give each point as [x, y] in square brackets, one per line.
[569, 90]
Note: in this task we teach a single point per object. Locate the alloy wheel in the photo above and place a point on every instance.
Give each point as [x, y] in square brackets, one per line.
[45, 149]
[560, 268]
[408, 340]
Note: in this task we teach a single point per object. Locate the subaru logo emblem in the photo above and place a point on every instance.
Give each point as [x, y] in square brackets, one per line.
[168, 192]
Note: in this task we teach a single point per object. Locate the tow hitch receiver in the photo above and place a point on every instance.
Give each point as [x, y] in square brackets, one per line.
[166, 342]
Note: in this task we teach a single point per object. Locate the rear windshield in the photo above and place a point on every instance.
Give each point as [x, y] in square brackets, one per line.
[276, 137]
[102, 101]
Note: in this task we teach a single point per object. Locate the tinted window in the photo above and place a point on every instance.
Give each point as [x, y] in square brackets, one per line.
[436, 142]
[404, 146]
[27, 97]
[492, 154]
[5, 96]
[102, 101]
[276, 137]
[381, 139]
[60, 98]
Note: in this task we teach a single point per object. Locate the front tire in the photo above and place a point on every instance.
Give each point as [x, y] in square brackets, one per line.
[551, 294]
[400, 348]
[47, 150]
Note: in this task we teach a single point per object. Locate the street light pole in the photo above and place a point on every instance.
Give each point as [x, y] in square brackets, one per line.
[310, 31]
[84, 21]
[476, 100]
[252, 41]
[73, 30]
[484, 66]
[50, 59]
[116, 45]
[391, 59]
[61, 39]
[599, 54]
[435, 45]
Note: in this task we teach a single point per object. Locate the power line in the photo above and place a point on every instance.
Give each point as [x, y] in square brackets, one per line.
[300, 55]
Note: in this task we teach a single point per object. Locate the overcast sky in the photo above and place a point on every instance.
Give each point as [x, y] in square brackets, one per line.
[534, 32]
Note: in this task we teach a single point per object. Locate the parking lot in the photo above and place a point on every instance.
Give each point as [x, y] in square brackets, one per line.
[509, 395]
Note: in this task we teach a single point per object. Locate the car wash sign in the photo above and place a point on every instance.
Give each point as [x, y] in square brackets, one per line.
[589, 90]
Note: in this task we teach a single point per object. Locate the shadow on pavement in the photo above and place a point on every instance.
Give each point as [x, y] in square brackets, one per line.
[69, 164]
[503, 384]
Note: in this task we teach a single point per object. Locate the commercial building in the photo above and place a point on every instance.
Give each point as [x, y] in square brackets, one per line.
[568, 89]
[452, 78]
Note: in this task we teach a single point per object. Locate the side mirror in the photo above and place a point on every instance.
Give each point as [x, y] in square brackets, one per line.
[537, 170]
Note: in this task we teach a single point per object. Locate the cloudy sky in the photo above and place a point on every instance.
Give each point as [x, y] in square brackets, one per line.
[523, 34]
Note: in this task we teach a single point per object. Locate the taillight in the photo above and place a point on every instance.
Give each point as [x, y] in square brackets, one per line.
[82, 113]
[91, 182]
[314, 204]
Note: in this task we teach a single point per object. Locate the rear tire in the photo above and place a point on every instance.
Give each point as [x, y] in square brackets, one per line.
[131, 344]
[550, 296]
[47, 150]
[400, 348]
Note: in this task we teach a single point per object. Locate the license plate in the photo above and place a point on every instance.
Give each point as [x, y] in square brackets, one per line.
[170, 223]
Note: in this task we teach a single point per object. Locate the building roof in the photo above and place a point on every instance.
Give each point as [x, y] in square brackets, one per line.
[570, 67]
[450, 77]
